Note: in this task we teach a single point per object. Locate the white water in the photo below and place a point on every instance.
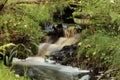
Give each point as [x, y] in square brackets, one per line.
[50, 65]
[48, 68]
[49, 49]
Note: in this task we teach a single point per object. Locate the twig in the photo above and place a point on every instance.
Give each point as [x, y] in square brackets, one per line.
[107, 72]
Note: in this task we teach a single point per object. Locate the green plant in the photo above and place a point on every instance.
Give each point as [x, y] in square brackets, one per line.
[18, 20]
[5, 46]
[102, 14]
[97, 48]
[8, 74]
[19, 51]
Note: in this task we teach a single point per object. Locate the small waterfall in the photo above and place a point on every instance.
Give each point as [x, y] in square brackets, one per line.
[70, 32]
[37, 68]
[40, 68]
[70, 37]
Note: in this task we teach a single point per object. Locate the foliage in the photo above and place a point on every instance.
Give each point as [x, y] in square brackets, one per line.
[7, 74]
[99, 50]
[96, 47]
[4, 47]
[13, 24]
[116, 45]
[103, 14]
[19, 51]
[10, 50]
[102, 47]
[22, 22]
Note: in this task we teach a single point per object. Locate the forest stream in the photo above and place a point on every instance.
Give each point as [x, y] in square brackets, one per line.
[59, 40]
[49, 64]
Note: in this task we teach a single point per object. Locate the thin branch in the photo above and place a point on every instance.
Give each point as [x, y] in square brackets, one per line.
[2, 6]
[107, 72]
[31, 1]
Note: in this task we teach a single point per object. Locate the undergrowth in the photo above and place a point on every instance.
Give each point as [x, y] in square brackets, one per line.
[7, 74]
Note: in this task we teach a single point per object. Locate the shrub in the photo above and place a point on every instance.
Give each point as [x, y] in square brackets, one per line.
[97, 48]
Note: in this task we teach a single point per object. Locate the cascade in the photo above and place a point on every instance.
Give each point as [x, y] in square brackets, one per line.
[41, 68]
[65, 37]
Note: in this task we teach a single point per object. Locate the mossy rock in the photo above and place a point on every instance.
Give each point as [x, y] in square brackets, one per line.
[81, 21]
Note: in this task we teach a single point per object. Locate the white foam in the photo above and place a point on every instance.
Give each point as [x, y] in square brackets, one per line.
[49, 64]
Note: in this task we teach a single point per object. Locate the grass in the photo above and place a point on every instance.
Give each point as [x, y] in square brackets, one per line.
[7, 74]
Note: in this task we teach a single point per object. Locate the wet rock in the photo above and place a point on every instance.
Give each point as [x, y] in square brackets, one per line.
[1, 57]
[55, 30]
[66, 53]
[85, 77]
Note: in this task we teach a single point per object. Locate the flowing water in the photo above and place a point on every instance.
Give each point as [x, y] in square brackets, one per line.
[48, 48]
[39, 68]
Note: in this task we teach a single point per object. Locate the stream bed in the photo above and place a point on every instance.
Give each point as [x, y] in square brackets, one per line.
[61, 44]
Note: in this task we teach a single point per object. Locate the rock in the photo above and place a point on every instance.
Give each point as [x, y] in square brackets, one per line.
[85, 77]
[1, 57]
[17, 76]
[55, 30]
[65, 53]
